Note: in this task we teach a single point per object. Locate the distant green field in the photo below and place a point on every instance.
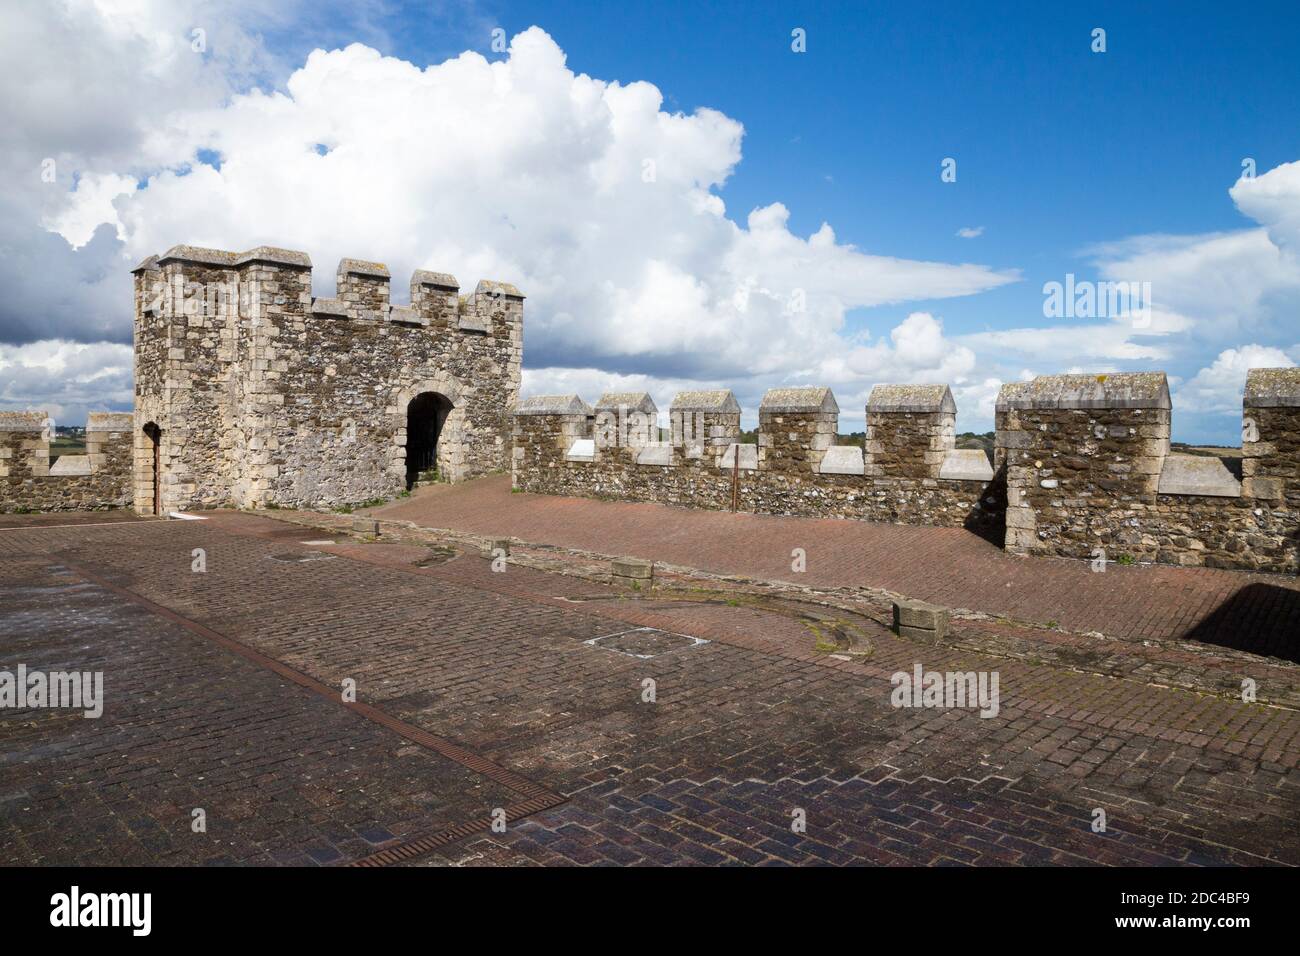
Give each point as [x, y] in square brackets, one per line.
[67, 446]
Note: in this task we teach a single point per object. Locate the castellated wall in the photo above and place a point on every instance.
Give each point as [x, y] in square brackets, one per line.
[1082, 465]
[97, 480]
[564, 446]
[1089, 473]
[263, 395]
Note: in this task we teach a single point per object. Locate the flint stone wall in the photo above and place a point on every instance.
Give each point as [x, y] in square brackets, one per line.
[267, 396]
[96, 481]
[1085, 455]
[1082, 468]
[796, 428]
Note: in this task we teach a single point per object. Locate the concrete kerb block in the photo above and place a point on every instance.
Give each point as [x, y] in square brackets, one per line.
[920, 621]
[632, 573]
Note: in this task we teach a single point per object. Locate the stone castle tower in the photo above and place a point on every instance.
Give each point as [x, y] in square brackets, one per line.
[250, 392]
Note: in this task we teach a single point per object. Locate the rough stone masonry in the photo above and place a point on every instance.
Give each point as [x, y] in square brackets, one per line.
[1082, 466]
[252, 393]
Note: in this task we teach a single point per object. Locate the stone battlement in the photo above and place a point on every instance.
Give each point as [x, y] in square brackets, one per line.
[252, 392]
[99, 479]
[1082, 465]
[215, 282]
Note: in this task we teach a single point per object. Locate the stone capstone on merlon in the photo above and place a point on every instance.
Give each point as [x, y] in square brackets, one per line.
[719, 400]
[438, 280]
[804, 399]
[629, 401]
[1111, 390]
[360, 267]
[553, 405]
[1272, 388]
[911, 398]
[24, 421]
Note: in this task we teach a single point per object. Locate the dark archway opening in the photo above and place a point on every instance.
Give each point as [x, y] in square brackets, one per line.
[154, 434]
[425, 417]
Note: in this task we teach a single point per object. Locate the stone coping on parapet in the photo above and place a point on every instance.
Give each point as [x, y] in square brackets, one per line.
[439, 280]
[719, 401]
[110, 422]
[223, 259]
[360, 267]
[553, 405]
[632, 401]
[494, 287]
[1272, 388]
[335, 307]
[29, 421]
[23, 421]
[816, 399]
[1111, 390]
[911, 398]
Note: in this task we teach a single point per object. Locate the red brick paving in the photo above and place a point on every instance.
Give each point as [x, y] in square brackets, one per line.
[952, 567]
[745, 730]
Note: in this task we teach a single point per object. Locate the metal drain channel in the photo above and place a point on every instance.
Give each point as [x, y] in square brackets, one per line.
[536, 796]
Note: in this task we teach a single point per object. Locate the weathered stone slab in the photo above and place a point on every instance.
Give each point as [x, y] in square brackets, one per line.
[842, 460]
[808, 399]
[405, 315]
[911, 398]
[720, 401]
[1112, 390]
[23, 421]
[629, 401]
[439, 280]
[919, 614]
[334, 308]
[1198, 475]
[365, 525]
[360, 267]
[659, 453]
[473, 322]
[582, 449]
[632, 570]
[553, 405]
[1272, 388]
[71, 465]
[966, 464]
[748, 457]
[110, 422]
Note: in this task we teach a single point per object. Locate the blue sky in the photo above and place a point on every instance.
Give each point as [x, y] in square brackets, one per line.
[1115, 164]
[1058, 148]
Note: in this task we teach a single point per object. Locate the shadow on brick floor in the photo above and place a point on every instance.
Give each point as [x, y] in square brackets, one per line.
[1259, 618]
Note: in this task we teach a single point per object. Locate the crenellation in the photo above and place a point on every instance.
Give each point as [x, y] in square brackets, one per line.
[1074, 474]
[262, 394]
[97, 480]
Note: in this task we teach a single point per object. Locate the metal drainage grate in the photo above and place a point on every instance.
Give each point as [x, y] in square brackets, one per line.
[645, 642]
[299, 557]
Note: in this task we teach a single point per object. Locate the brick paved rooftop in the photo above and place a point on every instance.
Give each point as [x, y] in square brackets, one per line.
[524, 691]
